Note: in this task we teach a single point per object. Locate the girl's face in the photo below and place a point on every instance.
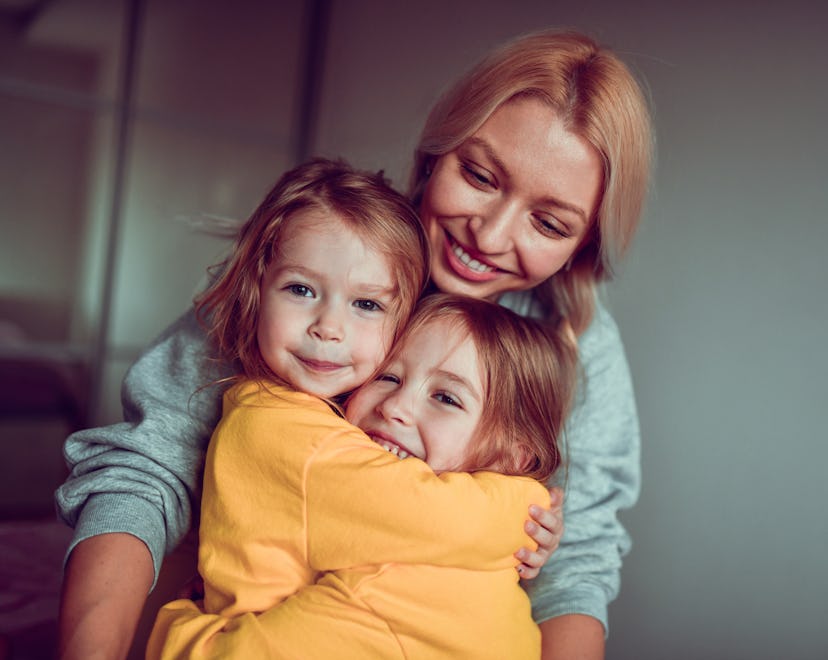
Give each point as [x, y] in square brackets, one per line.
[428, 399]
[325, 321]
[509, 207]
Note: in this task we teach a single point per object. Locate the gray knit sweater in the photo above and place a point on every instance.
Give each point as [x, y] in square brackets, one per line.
[143, 476]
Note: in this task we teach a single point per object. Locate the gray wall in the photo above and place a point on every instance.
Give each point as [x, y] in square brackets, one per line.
[722, 301]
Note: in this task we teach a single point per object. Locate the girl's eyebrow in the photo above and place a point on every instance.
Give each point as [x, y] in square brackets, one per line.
[375, 290]
[459, 380]
[499, 164]
[291, 267]
[365, 288]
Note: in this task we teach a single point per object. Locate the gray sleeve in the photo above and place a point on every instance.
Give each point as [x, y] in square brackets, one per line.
[603, 446]
[143, 475]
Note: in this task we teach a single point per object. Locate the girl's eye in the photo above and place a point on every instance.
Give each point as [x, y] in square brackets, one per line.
[477, 177]
[368, 305]
[447, 399]
[389, 378]
[300, 290]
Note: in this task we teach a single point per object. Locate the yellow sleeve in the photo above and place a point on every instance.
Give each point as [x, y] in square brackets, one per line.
[366, 506]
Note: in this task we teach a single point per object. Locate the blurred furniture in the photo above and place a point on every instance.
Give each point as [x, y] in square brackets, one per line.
[43, 398]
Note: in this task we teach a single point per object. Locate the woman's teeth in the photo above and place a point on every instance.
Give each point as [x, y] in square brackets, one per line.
[466, 258]
[387, 446]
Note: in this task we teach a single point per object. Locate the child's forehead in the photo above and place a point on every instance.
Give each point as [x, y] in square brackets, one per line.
[315, 218]
[446, 323]
[443, 347]
[318, 221]
[329, 252]
[311, 224]
[442, 335]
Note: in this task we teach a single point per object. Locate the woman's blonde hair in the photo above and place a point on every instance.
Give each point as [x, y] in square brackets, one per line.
[599, 100]
[529, 374]
[379, 215]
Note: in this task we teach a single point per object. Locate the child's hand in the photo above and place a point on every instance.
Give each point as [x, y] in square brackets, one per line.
[547, 528]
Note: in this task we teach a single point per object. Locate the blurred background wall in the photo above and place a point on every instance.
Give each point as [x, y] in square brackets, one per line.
[120, 120]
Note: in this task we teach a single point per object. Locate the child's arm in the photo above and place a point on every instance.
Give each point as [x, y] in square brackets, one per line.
[366, 506]
[316, 622]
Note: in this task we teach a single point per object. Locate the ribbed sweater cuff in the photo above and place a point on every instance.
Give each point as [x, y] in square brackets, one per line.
[588, 600]
[104, 514]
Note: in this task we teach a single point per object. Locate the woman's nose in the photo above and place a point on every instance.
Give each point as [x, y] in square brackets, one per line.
[494, 227]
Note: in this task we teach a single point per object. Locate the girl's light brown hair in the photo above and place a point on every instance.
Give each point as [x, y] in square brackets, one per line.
[599, 100]
[530, 373]
[380, 216]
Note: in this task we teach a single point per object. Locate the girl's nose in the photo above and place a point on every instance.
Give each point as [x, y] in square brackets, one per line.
[396, 406]
[328, 326]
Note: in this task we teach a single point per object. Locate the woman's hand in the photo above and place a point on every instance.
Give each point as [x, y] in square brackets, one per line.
[547, 528]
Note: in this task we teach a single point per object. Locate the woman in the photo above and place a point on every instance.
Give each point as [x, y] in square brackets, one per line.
[530, 178]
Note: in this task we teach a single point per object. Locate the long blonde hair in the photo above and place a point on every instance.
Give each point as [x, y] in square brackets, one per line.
[382, 217]
[599, 100]
[530, 373]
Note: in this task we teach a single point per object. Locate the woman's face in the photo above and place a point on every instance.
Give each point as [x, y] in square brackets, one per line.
[509, 207]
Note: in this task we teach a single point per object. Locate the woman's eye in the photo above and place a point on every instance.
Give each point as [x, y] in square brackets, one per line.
[549, 228]
[300, 290]
[447, 399]
[368, 305]
[477, 177]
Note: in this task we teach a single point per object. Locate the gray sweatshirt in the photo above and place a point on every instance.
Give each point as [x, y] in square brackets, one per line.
[143, 476]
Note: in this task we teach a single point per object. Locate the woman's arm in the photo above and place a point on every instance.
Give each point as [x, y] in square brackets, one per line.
[106, 581]
[572, 637]
[131, 485]
[140, 476]
[603, 450]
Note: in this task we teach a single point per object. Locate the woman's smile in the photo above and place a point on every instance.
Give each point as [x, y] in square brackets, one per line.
[507, 208]
[468, 263]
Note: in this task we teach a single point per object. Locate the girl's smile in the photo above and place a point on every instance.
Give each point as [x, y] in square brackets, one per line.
[428, 398]
[320, 365]
[388, 443]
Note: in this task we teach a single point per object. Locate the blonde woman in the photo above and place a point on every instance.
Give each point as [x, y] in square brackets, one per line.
[530, 178]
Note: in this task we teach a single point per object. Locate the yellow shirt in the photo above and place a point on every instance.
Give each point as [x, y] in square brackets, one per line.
[317, 543]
